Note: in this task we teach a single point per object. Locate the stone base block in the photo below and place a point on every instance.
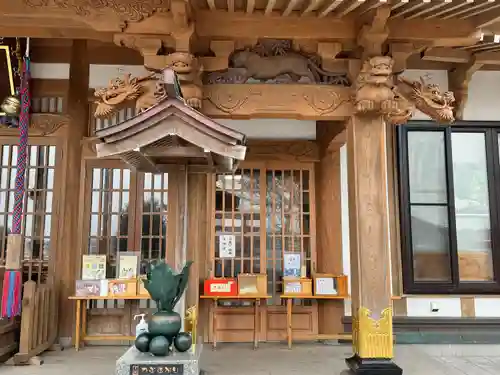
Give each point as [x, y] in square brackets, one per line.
[133, 362]
[365, 366]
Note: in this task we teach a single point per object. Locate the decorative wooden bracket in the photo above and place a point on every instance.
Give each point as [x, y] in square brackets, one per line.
[372, 36]
[458, 81]
[184, 27]
[401, 52]
[222, 49]
[146, 45]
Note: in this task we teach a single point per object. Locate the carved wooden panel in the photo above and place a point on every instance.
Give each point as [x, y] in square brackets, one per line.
[300, 101]
[275, 61]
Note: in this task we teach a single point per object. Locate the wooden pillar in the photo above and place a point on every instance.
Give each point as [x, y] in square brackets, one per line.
[329, 234]
[68, 254]
[369, 239]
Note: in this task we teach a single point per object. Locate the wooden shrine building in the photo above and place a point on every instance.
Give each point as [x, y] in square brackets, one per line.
[360, 134]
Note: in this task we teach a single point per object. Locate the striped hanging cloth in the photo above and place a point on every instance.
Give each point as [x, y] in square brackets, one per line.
[12, 283]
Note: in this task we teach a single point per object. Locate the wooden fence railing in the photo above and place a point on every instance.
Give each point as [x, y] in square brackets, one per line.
[38, 322]
[8, 338]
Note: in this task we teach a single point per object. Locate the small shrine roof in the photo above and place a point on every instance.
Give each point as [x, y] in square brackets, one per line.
[172, 132]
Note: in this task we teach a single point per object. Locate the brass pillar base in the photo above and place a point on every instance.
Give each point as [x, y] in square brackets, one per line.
[372, 366]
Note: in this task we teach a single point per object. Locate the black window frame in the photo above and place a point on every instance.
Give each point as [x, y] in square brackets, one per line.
[455, 286]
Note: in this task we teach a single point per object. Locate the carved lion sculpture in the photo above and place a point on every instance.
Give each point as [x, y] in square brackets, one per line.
[145, 91]
[374, 86]
[427, 98]
[189, 72]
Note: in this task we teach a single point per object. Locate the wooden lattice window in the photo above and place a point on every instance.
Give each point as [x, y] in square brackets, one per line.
[269, 212]
[38, 205]
[154, 216]
[128, 212]
[109, 214]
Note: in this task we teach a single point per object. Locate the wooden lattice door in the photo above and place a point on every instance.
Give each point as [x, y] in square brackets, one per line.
[269, 208]
[127, 212]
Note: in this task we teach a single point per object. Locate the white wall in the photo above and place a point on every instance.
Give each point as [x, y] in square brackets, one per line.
[273, 128]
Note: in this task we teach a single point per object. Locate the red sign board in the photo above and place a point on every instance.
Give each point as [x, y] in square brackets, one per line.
[220, 287]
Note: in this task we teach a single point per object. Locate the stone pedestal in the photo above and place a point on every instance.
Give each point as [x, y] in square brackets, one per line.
[133, 362]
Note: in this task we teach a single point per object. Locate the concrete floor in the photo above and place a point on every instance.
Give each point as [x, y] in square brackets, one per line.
[276, 359]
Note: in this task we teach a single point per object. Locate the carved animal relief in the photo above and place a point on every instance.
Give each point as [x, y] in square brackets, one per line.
[145, 91]
[188, 71]
[378, 91]
[374, 86]
[427, 98]
[271, 61]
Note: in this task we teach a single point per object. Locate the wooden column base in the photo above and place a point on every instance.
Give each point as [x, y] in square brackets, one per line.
[368, 366]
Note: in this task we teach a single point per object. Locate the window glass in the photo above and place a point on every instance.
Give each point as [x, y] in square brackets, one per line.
[430, 244]
[427, 167]
[450, 210]
[472, 208]
[429, 206]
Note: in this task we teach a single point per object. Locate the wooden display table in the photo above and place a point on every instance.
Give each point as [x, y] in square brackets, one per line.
[256, 301]
[289, 303]
[81, 320]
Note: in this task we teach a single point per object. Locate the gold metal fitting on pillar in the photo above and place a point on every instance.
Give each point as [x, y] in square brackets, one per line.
[372, 338]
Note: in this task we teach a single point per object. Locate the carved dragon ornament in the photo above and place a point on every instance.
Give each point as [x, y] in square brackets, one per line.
[379, 91]
[144, 91]
[149, 90]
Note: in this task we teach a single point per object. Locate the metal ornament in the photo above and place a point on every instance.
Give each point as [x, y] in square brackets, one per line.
[11, 106]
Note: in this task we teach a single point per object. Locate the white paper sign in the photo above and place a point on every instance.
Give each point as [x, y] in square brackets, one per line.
[227, 246]
[292, 264]
[325, 286]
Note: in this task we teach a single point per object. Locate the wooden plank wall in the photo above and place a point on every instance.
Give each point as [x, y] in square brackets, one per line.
[329, 236]
[197, 243]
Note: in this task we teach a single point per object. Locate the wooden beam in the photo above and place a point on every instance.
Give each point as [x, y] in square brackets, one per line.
[430, 9]
[106, 54]
[373, 35]
[179, 151]
[328, 133]
[313, 4]
[442, 54]
[237, 25]
[488, 58]
[9, 29]
[401, 52]
[483, 19]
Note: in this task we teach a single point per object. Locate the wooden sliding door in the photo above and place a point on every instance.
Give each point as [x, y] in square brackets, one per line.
[125, 211]
[269, 208]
